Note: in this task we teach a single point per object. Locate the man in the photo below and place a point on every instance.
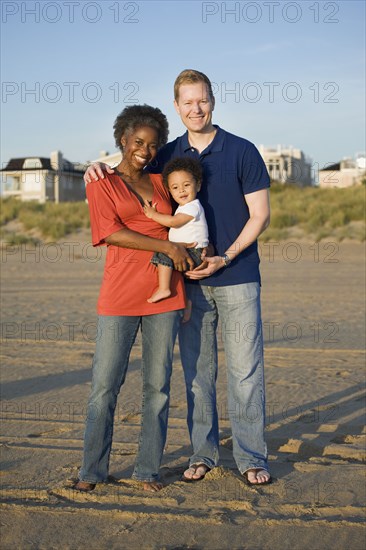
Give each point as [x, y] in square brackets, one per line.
[235, 198]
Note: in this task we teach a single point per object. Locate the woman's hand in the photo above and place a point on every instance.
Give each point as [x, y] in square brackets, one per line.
[178, 254]
[149, 210]
[94, 172]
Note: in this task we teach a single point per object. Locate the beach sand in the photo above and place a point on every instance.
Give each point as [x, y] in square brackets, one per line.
[312, 300]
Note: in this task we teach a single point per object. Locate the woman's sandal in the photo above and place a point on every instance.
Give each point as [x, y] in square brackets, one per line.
[84, 486]
[257, 471]
[194, 468]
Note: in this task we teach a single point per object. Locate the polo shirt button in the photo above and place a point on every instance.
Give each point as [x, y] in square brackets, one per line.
[192, 149]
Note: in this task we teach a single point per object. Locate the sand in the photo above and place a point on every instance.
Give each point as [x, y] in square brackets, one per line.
[313, 301]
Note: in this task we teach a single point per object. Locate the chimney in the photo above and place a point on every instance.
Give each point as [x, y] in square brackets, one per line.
[57, 164]
[56, 160]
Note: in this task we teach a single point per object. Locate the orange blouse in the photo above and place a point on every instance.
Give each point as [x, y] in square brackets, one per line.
[129, 278]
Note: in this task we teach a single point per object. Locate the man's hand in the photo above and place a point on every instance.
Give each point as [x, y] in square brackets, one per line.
[94, 172]
[149, 210]
[207, 268]
[209, 250]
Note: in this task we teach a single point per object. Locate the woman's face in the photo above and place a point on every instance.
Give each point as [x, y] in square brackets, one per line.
[140, 147]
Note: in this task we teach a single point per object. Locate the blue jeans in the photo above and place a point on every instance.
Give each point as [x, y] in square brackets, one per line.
[238, 307]
[115, 337]
[163, 259]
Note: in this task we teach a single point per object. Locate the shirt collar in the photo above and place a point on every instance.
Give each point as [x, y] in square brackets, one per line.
[215, 146]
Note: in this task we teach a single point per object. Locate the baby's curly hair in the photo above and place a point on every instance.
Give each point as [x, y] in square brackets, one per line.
[184, 164]
[136, 116]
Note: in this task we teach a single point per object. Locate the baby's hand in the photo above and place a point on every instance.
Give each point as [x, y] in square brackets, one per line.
[149, 210]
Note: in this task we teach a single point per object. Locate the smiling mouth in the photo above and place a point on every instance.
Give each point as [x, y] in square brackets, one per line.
[141, 159]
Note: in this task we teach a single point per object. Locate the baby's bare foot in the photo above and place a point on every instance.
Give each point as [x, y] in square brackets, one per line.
[159, 295]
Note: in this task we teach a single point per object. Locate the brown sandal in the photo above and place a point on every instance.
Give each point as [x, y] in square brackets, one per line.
[84, 486]
[257, 471]
[195, 467]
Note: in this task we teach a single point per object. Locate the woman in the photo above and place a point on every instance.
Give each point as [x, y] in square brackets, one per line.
[118, 220]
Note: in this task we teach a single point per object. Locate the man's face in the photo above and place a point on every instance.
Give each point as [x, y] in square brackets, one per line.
[195, 107]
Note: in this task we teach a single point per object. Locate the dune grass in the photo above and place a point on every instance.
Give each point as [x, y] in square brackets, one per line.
[316, 212]
[53, 221]
[311, 211]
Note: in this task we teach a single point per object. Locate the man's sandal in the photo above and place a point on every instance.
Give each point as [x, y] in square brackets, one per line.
[194, 469]
[257, 471]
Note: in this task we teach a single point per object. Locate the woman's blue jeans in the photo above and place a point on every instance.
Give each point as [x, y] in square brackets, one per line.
[238, 307]
[115, 337]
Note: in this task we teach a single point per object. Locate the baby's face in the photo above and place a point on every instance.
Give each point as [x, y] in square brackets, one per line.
[182, 186]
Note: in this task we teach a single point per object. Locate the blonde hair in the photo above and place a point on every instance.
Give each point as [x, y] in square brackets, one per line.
[191, 76]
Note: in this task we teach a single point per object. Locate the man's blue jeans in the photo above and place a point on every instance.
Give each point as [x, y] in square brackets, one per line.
[238, 307]
[115, 337]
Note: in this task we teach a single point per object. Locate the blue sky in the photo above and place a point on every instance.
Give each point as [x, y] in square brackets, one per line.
[290, 73]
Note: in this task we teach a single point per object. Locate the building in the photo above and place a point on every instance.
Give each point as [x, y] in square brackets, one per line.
[287, 165]
[345, 173]
[43, 179]
[112, 159]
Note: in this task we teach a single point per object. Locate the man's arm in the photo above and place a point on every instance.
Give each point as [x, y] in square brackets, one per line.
[94, 172]
[165, 219]
[259, 218]
[131, 239]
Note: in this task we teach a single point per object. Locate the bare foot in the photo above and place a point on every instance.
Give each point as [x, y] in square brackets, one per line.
[187, 312]
[84, 486]
[152, 486]
[159, 295]
[257, 476]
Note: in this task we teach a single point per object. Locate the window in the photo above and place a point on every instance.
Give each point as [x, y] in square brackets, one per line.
[32, 163]
[10, 183]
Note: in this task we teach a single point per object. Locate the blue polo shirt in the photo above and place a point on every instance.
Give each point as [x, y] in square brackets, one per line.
[232, 167]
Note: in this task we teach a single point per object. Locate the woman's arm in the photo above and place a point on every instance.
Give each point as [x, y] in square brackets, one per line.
[176, 251]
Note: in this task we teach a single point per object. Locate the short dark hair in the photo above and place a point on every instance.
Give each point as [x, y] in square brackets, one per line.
[185, 164]
[136, 116]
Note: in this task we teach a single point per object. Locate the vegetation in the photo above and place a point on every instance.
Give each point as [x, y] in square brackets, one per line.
[316, 212]
[52, 221]
[311, 211]
[14, 239]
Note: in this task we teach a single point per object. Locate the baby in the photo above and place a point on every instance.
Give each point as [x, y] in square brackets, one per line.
[183, 178]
